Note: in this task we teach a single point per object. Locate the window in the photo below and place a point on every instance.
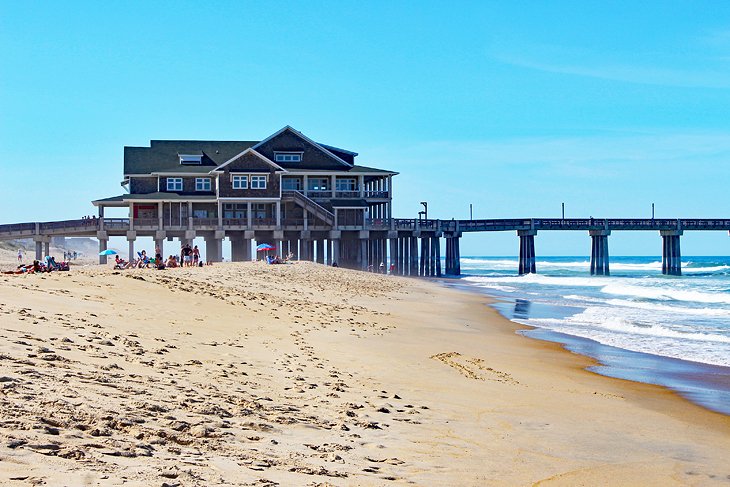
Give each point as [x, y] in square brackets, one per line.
[202, 184]
[347, 184]
[190, 159]
[259, 210]
[258, 182]
[288, 157]
[235, 210]
[174, 184]
[240, 182]
[319, 184]
[291, 184]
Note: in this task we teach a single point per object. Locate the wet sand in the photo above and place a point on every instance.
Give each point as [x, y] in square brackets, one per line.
[247, 374]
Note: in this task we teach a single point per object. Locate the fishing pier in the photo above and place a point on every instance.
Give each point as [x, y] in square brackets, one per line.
[412, 246]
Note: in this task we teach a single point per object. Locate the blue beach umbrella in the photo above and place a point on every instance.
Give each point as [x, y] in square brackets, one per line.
[265, 247]
[108, 252]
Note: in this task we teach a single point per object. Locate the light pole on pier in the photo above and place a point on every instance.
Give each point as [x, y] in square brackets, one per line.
[425, 210]
[563, 211]
[471, 212]
[652, 212]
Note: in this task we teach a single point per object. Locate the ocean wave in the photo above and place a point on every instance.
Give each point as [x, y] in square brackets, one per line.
[662, 342]
[647, 305]
[665, 293]
[544, 280]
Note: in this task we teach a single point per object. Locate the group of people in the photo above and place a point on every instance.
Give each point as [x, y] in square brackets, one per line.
[381, 269]
[49, 265]
[68, 255]
[189, 257]
[275, 259]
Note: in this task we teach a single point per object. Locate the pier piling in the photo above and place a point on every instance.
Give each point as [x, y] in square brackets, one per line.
[526, 263]
[599, 252]
[671, 254]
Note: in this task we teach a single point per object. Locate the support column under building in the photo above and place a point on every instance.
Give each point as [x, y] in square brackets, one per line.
[527, 252]
[393, 260]
[102, 247]
[213, 249]
[364, 254]
[320, 251]
[437, 246]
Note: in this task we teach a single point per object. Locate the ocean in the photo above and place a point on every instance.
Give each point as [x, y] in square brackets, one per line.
[639, 324]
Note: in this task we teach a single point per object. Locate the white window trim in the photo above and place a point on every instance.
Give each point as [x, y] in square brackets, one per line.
[172, 184]
[200, 184]
[240, 177]
[349, 180]
[258, 178]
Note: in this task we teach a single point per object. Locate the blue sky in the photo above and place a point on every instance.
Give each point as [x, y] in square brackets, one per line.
[514, 107]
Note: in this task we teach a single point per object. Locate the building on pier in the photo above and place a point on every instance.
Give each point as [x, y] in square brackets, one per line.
[310, 199]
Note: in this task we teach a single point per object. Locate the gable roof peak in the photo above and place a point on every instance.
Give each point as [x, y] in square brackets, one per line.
[307, 139]
[255, 153]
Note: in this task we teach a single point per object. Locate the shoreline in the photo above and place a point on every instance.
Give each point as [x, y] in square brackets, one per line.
[300, 374]
[689, 380]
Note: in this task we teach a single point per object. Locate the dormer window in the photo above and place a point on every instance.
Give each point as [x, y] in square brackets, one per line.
[191, 158]
[287, 157]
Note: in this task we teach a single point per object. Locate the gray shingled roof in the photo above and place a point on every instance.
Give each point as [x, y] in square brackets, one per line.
[162, 155]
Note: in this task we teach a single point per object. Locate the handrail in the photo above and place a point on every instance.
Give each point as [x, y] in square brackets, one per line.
[311, 205]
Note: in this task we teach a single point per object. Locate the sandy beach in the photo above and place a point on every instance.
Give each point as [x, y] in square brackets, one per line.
[247, 374]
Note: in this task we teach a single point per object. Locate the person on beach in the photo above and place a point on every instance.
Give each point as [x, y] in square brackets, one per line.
[196, 256]
[20, 255]
[158, 254]
[186, 254]
[381, 270]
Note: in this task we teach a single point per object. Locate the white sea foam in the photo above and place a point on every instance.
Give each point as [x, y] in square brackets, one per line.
[636, 308]
[665, 293]
[541, 279]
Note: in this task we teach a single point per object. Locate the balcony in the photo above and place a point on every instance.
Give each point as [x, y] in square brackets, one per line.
[146, 223]
[347, 194]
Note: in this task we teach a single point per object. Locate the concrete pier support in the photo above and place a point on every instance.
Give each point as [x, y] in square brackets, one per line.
[453, 257]
[599, 252]
[393, 261]
[527, 252]
[336, 251]
[422, 269]
[437, 256]
[320, 251]
[413, 264]
[131, 237]
[103, 242]
[160, 244]
[38, 250]
[364, 254]
[404, 248]
[213, 249]
[671, 254]
[240, 249]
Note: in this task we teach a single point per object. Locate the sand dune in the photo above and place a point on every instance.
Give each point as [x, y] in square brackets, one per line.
[247, 374]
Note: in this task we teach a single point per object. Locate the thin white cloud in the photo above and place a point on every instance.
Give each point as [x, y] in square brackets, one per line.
[609, 152]
[698, 64]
